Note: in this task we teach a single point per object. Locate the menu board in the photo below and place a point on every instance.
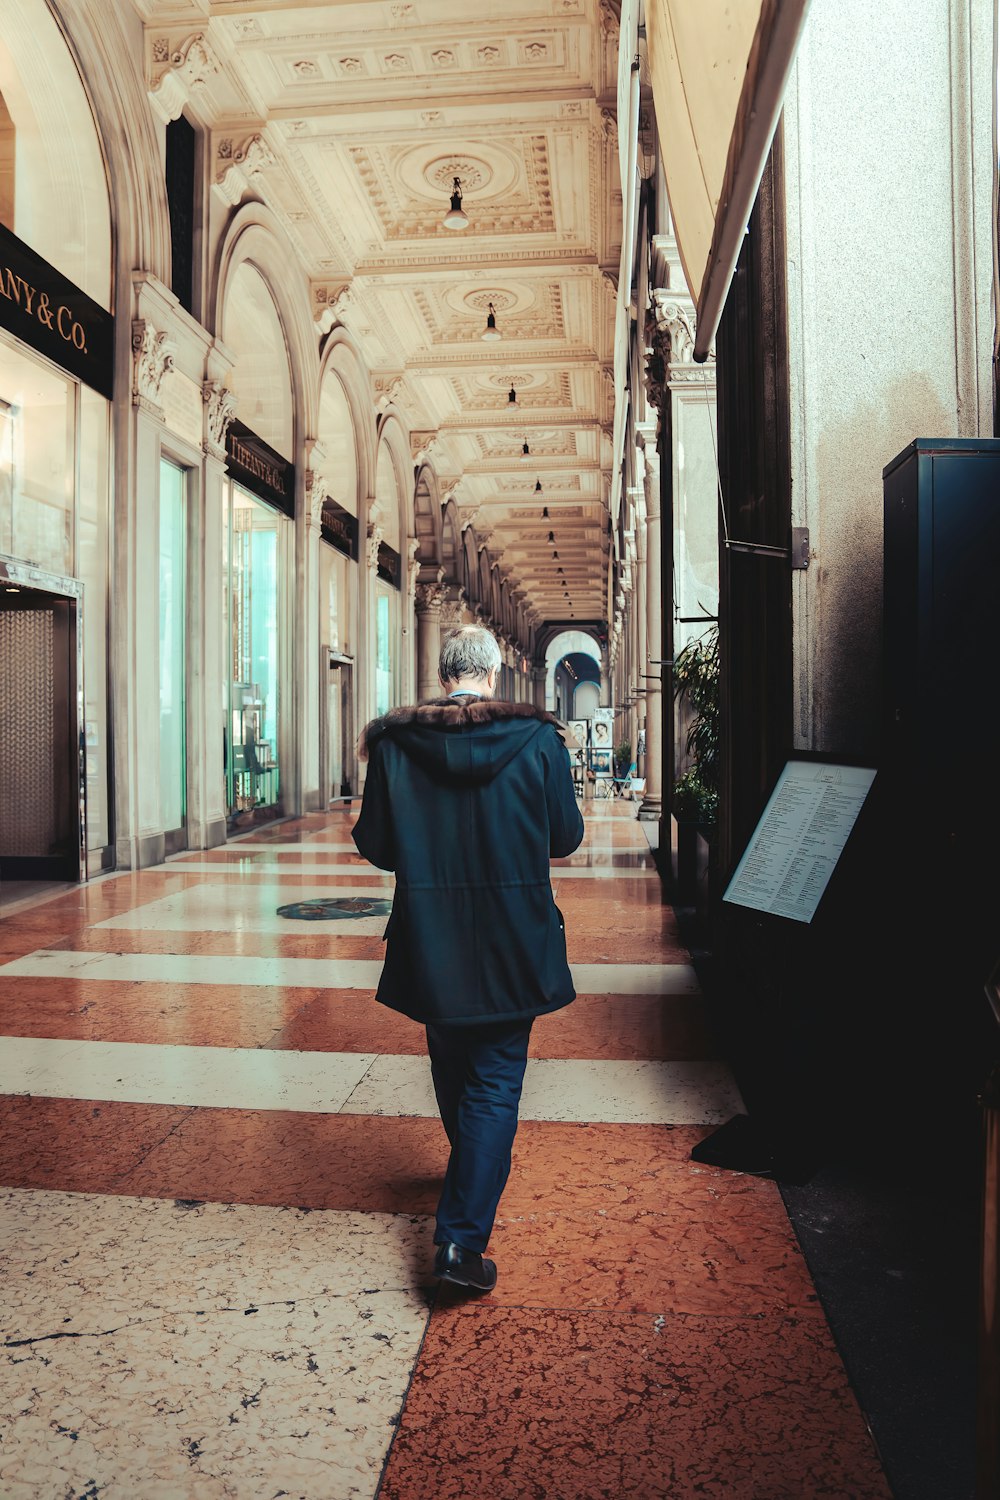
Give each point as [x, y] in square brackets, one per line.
[802, 831]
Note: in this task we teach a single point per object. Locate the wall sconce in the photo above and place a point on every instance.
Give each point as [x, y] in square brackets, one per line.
[456, 217]
[491, 331]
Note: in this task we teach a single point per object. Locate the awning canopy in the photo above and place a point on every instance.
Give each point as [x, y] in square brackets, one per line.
[718, 70]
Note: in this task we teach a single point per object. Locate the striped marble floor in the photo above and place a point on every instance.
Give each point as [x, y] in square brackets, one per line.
[219, 1160]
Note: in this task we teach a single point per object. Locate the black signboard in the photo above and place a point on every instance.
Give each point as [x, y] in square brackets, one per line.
[388, 565]
[339, 528]
[42, 308]
[258, 468]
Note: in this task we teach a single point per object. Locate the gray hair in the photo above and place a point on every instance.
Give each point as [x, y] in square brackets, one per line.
[469, 651]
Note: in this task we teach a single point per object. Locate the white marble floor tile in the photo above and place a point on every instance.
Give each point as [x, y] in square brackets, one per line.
[634, 979]
[271, 866]
[600, 872]
[274, 846]
[158, 1073]
[230, 906]
[201, 968]
[623, 1093]
[158, 1351]
[314, 973]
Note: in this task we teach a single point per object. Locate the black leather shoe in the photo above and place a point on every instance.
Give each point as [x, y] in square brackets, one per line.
[465, 1268]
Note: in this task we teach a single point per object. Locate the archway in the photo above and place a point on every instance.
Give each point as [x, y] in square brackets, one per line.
[578, 646]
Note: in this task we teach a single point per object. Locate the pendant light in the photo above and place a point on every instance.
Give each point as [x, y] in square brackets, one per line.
[512, 397]
[552, 536]
[456, 218]
[545, 512]
[491, 331]
[538, 486]
[525, 450]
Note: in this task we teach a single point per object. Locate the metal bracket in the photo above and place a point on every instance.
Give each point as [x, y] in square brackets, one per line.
[800, 547]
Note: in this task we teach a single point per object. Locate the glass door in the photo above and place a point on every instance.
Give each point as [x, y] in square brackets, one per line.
[253, 548]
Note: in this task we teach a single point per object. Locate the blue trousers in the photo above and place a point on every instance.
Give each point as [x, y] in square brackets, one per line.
[478, 1072]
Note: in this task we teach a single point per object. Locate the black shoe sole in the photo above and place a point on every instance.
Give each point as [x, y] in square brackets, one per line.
[474, 1286]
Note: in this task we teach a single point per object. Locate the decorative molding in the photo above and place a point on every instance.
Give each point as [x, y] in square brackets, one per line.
[422, 445]
[388, 390]
[153, 355]
[678, 320]
[237, 165]
[412, 564]
[176, 64]
[330, 300]
[372, 543]
[220, 409]
[428, 598]
[452, 608]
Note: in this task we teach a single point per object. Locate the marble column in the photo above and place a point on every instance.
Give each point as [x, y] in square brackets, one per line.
[538, 676]
[428, 600]
[652, 802]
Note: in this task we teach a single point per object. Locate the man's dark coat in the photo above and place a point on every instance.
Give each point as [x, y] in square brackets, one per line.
[466, 800]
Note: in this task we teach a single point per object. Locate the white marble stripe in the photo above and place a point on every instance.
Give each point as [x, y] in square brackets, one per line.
[628, 1093]
[623, 1093]
[272, 867]
[312, 973]
[155, 1073]
[365, 872]
[234, 907]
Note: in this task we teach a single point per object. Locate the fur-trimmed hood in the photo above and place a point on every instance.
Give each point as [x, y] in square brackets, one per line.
[459, 739]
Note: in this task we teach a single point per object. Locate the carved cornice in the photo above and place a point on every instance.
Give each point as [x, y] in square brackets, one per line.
[176, 63]
[220, 409]
[152, 356]
[372, 543]
[239, 163]
[388, 390]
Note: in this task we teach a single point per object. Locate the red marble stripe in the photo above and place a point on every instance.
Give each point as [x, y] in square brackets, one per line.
[511, 1402]
[318, 1020]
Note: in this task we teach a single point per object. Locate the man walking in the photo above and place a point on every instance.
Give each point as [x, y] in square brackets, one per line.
[466, 800]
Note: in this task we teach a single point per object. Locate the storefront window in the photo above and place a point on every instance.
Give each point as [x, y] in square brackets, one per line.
[254, 543]
[173, 779]
[37, 444]
[384, 623]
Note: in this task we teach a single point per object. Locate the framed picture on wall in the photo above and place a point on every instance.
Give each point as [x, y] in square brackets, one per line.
[578, 728]
[601, 762]
[600, 733]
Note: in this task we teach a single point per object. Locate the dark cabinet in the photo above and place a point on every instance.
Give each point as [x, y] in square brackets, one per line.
[940, 763]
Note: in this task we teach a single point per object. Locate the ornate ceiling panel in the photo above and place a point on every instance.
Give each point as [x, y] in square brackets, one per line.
[351, 121]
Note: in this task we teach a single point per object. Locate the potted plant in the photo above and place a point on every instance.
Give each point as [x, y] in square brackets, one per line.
[695, 794]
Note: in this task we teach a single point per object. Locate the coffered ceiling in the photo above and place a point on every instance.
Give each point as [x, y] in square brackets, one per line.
[351, 121]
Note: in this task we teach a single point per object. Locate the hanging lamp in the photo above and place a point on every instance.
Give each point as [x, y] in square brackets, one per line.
[456, 217]
[491, 331]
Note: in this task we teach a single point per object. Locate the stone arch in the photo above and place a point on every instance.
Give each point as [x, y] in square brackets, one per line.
[392, 442]
[342, 361]
[120, 105]
[451, 542]
[470, 566]
[254, 235]
[427, 519]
